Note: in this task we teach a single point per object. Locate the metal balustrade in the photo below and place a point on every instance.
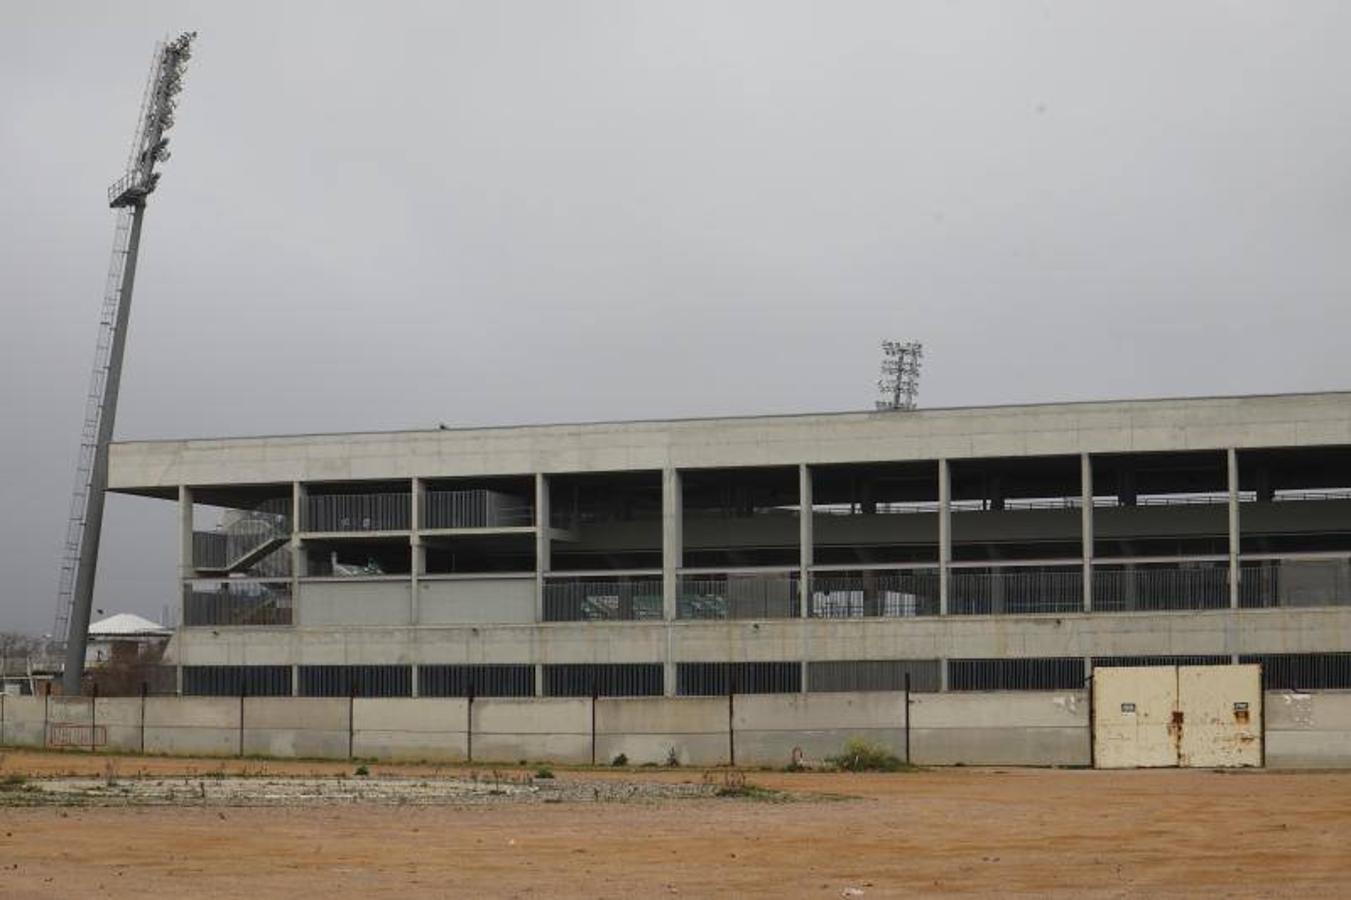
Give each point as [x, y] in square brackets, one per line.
[479, 508]
[600, 600]
[738, 596]
[867, 594]
[1153, 588]
[1015, 592]
[1295, 583]
[237, 602]
[251, 540]
[358, 512]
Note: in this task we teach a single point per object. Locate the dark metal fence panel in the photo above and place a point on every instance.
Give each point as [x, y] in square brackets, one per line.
[1025, 674]
[1295, 583]
[479, 508]
[717, 678]
[233, 681]
[358, 512]
[1303, 671]
[1016, 591]
[739, 596]
[361, 681]
[604, 680]
[1156, 660]
[883, 593]
[1151, 588]
[832, 676]
[478, 681]
[237, 602]
[609, 599]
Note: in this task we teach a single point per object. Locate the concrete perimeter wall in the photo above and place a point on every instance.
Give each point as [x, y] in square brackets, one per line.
[1012, 728]
[1307, 731]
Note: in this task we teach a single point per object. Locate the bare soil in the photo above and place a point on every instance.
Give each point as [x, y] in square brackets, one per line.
[973, 832]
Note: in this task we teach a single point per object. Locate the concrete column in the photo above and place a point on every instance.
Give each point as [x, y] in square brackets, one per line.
[672, 558]
[1234, 533]
[543, 545]
[806, 554]
[539, 679]
[416, 669]
[944, 537]
[805, 536]
[186, 565]
[297, 549]
[295, 681]
[186, 568]
[417, 560]
[1086, 525]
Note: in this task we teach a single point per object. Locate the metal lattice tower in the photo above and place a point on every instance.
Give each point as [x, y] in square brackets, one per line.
[75, 592]
[899, 383]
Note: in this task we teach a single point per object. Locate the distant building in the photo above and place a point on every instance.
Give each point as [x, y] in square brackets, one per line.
[996, 548]
[125, 639]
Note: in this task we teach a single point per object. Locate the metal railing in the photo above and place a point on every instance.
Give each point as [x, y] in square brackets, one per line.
[1150, 588]
[358, 512]
[1295, 583]
[237, 603]
[246, 532]
[738, 596]
[479, 508]
[603, 600]
[885, 594]
[1015, 592]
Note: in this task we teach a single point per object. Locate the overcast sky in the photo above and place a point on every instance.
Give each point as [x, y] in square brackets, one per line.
[392, 215]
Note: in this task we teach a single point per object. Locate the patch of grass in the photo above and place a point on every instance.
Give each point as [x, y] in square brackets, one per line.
[13, 781]
[362, 770]
[544, 772]
[861, 755]
[620, 760]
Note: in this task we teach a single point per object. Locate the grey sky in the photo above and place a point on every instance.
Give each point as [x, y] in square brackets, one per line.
[393, 215]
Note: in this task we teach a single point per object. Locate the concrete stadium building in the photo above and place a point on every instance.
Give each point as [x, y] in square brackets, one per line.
[998, 548]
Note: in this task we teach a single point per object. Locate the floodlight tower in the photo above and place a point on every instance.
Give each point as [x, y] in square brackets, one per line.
[128, 195]
[899, 383]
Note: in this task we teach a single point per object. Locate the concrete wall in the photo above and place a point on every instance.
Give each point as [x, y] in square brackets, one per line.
[355, 602]
[1000, 728]
[1031, 728]
[1204, 632]
[1138, 426]
[431, 729]
[477, 600]
[1308, 730]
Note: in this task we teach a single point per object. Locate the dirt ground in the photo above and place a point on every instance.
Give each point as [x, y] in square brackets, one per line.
[973, 832]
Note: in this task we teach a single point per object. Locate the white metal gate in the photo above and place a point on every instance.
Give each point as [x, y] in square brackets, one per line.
[1201, 716]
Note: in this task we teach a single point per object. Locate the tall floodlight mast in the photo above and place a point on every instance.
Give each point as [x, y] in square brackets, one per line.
[128, 195]
[899, 383]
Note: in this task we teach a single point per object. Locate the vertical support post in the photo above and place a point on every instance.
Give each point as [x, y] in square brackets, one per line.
[145, 688]
[46, 714]
[417, 554]
[242, 691]
[944, 533]
[298, 568]
[295, 680]
[1231, 458]
[187, 569]
[806, 559]
[672, 558]
[543, 543]
[351, 721]
[93, 716]
[731, 726]
[594, 694]
[1086, 525]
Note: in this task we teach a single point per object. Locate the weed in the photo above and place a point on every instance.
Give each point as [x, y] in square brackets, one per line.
[362, 770]
[672, 758]
[861, 755]
[621, 760]
[544, 772]
[13, 781]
